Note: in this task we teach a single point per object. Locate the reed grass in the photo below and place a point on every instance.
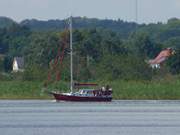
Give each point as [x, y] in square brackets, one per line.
[136, 90]
[21, 90]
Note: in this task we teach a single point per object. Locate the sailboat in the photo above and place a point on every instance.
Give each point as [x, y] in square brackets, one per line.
[88, 95]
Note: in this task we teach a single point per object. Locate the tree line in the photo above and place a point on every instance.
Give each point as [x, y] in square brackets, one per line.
[103, 49]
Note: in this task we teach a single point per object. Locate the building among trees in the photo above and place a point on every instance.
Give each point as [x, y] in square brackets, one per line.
[18, 64]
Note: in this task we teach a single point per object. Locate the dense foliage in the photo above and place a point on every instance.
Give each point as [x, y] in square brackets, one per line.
[103, 49]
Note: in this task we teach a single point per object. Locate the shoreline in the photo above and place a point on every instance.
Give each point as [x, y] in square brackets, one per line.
[122, 90]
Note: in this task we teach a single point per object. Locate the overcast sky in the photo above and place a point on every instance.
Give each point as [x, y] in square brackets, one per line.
[148, 10]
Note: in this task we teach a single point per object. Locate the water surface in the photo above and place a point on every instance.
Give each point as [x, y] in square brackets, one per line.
[45, 117]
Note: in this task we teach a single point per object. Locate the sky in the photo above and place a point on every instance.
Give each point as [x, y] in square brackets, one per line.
[149, 11]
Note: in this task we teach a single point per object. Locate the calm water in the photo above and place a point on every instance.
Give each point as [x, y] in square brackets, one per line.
[35, 117]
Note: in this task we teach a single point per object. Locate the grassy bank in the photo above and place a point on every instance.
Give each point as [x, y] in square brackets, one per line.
[21, 90]
[164, 89]
[146, 90]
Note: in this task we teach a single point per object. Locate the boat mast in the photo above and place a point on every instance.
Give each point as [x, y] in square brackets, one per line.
[71, 56]
[136, 11]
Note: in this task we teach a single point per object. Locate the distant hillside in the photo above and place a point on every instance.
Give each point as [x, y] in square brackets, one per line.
[6, 22]
[163, 32]
[38, 25]
[124, 28]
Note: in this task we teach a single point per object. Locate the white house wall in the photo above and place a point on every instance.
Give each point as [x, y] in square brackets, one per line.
[15, 66]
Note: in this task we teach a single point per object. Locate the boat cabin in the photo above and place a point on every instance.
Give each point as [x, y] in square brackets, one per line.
[95, 92]
[87, 92]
